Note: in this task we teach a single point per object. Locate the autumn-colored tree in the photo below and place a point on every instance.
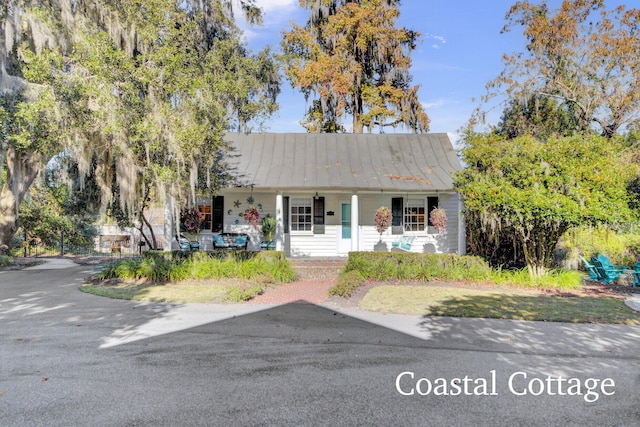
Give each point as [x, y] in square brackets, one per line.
[582, 54]
[353, 58]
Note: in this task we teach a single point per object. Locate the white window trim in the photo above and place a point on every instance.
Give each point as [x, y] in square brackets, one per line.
[297, 202]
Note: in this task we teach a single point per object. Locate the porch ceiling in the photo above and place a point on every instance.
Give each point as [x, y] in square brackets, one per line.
[391, 162]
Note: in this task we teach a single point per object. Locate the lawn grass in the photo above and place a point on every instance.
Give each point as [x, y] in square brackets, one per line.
[181, 292]
[503, 304]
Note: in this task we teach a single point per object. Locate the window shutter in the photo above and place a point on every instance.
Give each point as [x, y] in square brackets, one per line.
[217, 214]
[318, 215]
[398, 213]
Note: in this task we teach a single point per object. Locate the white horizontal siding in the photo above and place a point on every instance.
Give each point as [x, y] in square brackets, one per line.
[314, 245]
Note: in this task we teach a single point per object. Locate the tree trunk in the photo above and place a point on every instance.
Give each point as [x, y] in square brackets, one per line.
[22, 169]
[358, 127]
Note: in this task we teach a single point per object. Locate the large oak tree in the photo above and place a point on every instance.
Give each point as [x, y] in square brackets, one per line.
[354, 60]
[139, 92]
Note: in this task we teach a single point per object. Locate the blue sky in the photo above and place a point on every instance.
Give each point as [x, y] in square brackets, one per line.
[460, 51]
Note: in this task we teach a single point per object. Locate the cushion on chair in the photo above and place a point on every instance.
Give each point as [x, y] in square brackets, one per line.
[218, 241]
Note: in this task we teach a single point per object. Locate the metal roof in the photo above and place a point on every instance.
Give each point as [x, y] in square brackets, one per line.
[401, 162]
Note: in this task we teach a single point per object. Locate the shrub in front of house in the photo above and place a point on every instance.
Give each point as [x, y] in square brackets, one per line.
[414, 266]
[202, 266]
[347, 284]
[392, 266]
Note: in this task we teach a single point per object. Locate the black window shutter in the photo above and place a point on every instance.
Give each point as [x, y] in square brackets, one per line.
[318, 215]
[217, 214]
[398, 215]
[285, 208]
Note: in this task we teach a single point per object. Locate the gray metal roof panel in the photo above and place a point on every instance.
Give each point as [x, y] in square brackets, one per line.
[346, 161]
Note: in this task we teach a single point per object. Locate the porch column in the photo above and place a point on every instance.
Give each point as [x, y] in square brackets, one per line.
[169, 224]
[355, 238]
[279, 236]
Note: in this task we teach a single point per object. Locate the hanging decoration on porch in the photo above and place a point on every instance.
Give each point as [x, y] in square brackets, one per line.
[237, 203]
[252, 215]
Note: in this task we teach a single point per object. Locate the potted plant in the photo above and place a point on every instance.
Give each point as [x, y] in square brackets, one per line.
[438, 218]
[268, 225]
[383, 220]
[190, 220]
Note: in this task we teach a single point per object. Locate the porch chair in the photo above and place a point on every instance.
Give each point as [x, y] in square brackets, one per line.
[404, 243]
[186, 244]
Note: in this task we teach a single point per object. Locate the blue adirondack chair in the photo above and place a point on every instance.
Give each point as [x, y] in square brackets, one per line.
[591, 269]
[606, 275]
[607, 264]
[636, 274]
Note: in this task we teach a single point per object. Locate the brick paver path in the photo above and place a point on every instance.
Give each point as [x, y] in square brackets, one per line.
[313, 291]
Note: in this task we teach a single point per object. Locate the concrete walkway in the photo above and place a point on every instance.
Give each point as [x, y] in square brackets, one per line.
[53, 264]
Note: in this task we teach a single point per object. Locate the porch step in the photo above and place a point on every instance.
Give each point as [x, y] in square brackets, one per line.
[318, 268]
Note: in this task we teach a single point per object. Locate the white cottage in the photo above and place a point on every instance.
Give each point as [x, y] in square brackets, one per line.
[324, 190]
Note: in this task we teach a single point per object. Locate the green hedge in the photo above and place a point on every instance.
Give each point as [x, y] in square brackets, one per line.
[158, 266]
[390, 266]
[413, 266]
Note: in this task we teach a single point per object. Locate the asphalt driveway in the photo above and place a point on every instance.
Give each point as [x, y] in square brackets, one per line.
[68, 358]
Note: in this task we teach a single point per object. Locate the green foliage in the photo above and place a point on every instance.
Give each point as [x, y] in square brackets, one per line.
[394, 266]
[268, 227]
[5, 260]
[157, 267]
[539, 190]
[385, 266]
[243, 293]
[347, 284]
[622, 248]
[139, 92]
[54, 208]
[539, 116]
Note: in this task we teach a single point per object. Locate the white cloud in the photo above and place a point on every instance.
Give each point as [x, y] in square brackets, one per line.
[271, 5]
[438, 40]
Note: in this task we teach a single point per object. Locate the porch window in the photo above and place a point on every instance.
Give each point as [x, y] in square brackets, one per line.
[414, 215]
[205, 215]
[301, 215]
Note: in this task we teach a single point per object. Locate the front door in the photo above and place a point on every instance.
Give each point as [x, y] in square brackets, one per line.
[344, 241]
